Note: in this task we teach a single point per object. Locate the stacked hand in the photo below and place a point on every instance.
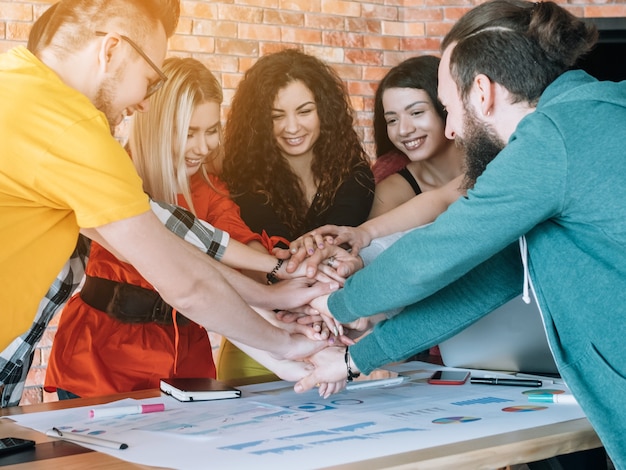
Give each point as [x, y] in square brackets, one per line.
[322, 272]
[320, 256]
[330, 368]
[329, 375]
[313, 351]
[306, 244]
[293, 294]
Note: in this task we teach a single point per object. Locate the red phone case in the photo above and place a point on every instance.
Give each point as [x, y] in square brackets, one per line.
[444, 381]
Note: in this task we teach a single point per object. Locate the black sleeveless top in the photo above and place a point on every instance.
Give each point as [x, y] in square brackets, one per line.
[406, 174]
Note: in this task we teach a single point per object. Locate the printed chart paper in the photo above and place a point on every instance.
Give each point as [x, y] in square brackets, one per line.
[272, 427]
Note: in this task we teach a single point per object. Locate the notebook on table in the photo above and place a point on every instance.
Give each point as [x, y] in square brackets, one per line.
[511, 338]
[198, 389]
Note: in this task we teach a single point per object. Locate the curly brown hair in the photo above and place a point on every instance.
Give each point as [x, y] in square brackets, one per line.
[253, 162]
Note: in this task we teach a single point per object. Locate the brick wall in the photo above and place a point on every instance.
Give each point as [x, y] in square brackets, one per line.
[361, 38]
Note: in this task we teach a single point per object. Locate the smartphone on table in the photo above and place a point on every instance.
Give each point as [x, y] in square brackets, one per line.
[449, 377]
[9, 445]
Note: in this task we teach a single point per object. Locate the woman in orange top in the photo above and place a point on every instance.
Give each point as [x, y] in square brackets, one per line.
[97, 353]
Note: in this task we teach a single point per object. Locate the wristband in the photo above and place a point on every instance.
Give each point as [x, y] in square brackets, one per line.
[351, 375]
[271, 276]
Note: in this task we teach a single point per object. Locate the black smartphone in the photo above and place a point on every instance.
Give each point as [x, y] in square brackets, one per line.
[449, 377]
[8, 445]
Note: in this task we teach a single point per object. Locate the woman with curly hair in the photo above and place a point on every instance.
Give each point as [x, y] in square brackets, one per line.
[293, 160]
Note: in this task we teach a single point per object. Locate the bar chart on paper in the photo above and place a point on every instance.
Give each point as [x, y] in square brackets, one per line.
[274, 428]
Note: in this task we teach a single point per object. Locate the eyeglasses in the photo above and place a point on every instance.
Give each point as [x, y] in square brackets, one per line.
[154, 86]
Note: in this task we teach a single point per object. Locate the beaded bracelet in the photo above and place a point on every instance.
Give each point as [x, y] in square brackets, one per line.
[351, 375]
[271, 276]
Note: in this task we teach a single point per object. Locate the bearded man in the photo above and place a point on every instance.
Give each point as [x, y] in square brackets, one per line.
[546, 166]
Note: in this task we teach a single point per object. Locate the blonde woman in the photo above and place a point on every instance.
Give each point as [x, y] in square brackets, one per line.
[141, 339]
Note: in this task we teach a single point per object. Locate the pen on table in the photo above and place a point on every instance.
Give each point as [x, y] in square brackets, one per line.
[126, 410]
[550, 380]
[552, 398]
[510, 382]
[86, 439]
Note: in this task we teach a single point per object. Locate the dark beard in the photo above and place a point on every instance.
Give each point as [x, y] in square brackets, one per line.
[481, 145]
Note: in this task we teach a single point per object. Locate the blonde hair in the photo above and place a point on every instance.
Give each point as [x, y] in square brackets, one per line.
[157, 138]
[72, 23]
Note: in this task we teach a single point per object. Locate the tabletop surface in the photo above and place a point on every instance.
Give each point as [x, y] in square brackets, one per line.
[483, 453]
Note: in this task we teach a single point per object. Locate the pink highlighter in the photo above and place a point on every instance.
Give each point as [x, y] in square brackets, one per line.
[126, 410]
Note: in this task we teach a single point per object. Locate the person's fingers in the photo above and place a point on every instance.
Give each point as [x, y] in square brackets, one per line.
[288, 317]
[322, 288]
[307, 383]
[331, 324]
[342, 238]
[312, 262]
[344, 269]
[339, 386]
[310, 316]
[331, 273]
[324, 331]
[309, 244]
[319, 329]
[322, 277]
[297, 256]
[319, 240]
[323, 387]
[295, 245]
[339, 328]
[331, 388]
[355, 246]
[281, 253]
[309, 332]
[343, 339]
[360, 324]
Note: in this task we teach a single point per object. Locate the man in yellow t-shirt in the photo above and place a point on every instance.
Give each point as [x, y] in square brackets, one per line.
[62, 172]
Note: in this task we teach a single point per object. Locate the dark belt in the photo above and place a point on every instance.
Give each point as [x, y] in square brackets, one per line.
[128, 303]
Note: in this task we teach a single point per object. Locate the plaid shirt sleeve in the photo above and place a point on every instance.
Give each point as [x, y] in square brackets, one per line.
[16, 359]
[199, 233]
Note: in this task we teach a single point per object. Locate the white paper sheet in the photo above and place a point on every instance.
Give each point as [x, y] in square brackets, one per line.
[274, 428]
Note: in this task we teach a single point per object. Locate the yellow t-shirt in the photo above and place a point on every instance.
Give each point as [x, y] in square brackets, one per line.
[60, 169]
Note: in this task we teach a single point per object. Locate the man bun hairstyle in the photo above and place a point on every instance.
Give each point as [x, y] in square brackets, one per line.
[521, 45]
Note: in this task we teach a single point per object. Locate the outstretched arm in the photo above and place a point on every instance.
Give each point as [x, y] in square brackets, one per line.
[420, 210]
[218, 244]
[203, 289]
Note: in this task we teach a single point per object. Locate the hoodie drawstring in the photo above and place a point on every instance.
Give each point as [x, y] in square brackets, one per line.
[523, 248]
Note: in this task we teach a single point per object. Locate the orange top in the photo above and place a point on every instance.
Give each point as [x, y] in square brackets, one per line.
[93, 354]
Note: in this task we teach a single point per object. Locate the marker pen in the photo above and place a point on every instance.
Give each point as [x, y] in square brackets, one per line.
[552, 398]
[545, 380]
[125, 410]
[510, 382]
[86, 439]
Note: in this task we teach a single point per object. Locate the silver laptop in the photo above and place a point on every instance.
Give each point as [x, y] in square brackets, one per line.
[511, 338]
